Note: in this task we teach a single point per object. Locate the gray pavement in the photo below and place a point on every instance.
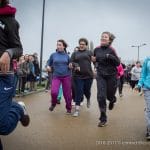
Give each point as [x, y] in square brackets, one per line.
[58, 131]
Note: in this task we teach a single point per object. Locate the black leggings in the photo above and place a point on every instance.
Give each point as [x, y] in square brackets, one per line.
[106, 89]
[134, 83]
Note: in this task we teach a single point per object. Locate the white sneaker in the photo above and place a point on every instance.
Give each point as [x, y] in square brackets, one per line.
[25, 119]
[81, 104]
[76, 113]
[73, 104]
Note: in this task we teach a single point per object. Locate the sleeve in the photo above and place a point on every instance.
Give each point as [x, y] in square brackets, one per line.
[121, 70]
[114, 58]
[72, 59]
[132, 71]
[143, 74]
[91, 53]
[50, 61]
[15, 50]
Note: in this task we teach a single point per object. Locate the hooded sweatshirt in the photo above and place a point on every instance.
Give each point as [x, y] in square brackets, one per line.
[9, 33]
[145, 75]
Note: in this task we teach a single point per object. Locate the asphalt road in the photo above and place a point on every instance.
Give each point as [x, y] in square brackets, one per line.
[58, 131]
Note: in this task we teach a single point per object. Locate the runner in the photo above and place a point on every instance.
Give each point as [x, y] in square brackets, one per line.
[59, 61]
[106, 63]
[10, 48]
[135, 75]
[144, 83]
[83, 76]
[120, 79]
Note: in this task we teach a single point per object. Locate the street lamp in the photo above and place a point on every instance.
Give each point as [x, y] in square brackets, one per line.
[138, 46]
[42, 40]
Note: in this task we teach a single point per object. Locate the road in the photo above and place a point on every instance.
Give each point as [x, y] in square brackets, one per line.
[58, 131]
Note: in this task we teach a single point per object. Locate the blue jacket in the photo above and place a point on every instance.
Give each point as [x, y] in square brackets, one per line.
[145, 75]
[59, 61]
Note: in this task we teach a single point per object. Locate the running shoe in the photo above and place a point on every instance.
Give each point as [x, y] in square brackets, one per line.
[102, 124]
[76, 113]
[25, 119]
[52, 108]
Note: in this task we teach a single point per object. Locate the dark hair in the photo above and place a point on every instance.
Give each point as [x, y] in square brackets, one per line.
[84, 40]
[138, 62]
[4, 3]
[111, 36]
[63, 42]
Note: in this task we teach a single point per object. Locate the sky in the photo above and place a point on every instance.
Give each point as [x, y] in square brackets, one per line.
[73, 19]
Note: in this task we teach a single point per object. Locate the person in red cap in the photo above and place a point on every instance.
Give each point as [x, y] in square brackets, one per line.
[11, 112]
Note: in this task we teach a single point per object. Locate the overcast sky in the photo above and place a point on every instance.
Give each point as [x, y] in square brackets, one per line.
[72, 19]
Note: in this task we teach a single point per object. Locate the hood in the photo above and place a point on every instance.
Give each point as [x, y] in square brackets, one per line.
[7, 10]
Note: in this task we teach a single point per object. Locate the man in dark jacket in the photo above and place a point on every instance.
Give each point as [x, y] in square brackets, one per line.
[10, 48]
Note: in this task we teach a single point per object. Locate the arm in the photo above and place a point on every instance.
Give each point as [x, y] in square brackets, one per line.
[143, 74]
[12, 30]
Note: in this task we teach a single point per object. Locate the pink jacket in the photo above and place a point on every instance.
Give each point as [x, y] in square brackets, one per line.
[120, 71]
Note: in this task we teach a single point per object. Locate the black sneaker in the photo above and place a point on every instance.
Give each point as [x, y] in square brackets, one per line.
[25, 119]
[148, 136]
[111, 105]
[102, 124]
[52, 108]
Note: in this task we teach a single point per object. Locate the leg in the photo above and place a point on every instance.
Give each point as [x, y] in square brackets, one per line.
[73, 88]
[87, 90]
[147, 110]
[111, 89]
[11, 112]
[121, 84]
[23, 83]
[55, 90]
[101, 97]
[79, 90]
[66, 86]
[59, 97]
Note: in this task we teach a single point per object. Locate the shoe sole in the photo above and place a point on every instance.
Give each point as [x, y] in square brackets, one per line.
[102, 125]
[25, 120]
[148, 138]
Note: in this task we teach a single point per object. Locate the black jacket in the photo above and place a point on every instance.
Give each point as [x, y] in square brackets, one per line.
[106, 60]
[83, 59]
[9, 37]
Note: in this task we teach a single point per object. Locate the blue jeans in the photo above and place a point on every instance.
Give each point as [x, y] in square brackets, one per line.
[15, 84]
[147, 110]
[10, 111]
[82, 87]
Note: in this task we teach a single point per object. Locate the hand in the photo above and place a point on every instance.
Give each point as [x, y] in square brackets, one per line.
[93, 59]
[5, 62]
[49, 69]
[70, 66]
[94, 73]
[77, 68]
[137, 88]
[107, 55]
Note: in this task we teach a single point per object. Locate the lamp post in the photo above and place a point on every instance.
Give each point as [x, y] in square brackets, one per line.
[42, 40]
[138, 46]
